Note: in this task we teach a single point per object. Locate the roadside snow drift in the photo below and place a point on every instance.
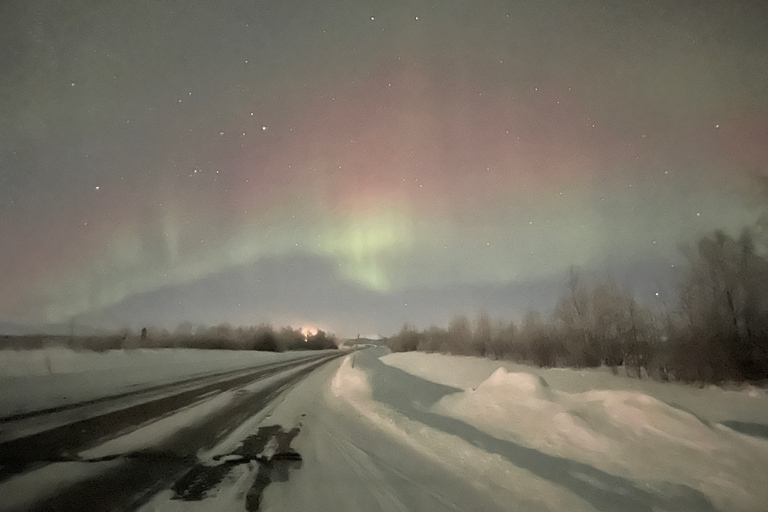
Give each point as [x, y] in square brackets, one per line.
[624, 433]
[498, 479]
[713, 404]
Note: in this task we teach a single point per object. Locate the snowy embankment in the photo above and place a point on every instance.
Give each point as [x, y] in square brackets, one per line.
[712, 404]
[494, 477]
[612, 424]
[32, 380]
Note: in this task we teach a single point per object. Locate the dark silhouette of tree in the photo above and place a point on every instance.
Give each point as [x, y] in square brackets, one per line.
[724, 312]
[574, 311]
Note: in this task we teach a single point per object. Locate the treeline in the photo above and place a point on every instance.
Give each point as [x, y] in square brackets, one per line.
[226, 337]
[717, 331]
[222, 337]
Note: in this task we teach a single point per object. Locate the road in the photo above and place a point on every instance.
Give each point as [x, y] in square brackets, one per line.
[38, 445]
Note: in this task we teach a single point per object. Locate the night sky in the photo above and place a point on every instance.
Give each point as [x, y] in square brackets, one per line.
[352, 165]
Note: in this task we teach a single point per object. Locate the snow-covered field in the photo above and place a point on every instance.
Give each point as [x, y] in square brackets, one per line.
[33, 380]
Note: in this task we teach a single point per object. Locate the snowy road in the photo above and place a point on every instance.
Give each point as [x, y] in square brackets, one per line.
[419, 432]
[112, 452]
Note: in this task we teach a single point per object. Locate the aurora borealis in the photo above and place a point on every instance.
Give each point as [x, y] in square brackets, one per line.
[356, 164]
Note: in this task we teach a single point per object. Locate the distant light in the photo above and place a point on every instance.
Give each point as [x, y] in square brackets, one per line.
[97, 187]
[308, 330]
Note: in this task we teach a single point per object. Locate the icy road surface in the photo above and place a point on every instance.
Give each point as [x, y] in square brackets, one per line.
[113, 452]
[424, 432]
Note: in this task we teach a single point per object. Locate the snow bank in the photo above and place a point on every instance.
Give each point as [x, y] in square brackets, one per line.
[520, 407]
[712, 404]
[496, 477]
[351, 384]
[625, 433]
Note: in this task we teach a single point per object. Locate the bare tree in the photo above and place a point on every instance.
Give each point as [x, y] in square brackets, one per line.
[504, 341]
[724, 303]
[574, 311]
[481, 335]
[610, 323]
[540, 344]
[404, 341]
[459, 335]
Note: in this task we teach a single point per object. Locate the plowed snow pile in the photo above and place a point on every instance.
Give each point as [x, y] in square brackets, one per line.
[499, 480]
[625, 433]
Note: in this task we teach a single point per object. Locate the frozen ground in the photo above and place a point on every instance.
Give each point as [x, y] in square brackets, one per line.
[32, 380]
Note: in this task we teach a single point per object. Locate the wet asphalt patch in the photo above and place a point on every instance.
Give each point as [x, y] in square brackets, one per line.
[270, 448]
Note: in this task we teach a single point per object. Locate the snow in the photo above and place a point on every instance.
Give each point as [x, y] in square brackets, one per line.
[347, 464]
[228, 495]
[490, 475]
[22, 491]
[430, 432]
[375, 438]
[351, 384]
[154, 433]
[25, 489]
[621, 432]
[361, 454]
[713, 404]
[32, 380]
